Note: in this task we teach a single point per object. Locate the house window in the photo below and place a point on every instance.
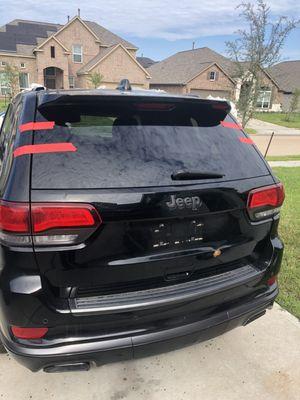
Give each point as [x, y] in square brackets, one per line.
[212, 76]
[4, 86]
[77, 53]
[50, 71]
[3, 63]
[71, 82]
[52, 51]
[23, 80]
[264, 98]
[22, 65]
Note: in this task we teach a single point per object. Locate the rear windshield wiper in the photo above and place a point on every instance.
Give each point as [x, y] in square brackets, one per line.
[189, 175]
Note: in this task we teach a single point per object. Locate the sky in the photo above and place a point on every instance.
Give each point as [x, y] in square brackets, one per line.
[159, 28]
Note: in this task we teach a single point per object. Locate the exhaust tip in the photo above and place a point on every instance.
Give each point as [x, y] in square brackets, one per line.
[71, 367]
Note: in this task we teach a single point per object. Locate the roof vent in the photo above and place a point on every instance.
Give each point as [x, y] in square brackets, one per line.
[124, 85]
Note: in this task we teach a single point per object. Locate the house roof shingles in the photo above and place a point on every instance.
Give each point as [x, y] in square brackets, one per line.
[34, 33]
[287, 75]
[19, 32]
[106, 37]
[146, 62]
[185, 65]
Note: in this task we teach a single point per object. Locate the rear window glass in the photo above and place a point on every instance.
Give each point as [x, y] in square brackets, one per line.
[133, 143]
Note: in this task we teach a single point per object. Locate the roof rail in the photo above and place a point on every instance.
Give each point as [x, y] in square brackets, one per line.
[124, 85]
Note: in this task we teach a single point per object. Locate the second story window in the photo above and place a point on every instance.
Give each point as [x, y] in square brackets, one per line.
[52, 51]
[3, 63]
[77, 53]
[22, 65]
[212, 76]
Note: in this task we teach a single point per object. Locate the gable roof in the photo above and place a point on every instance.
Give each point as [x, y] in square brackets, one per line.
[36, 34]
[107, 37]
[287, 75]
[146, 62]
[185, 65]
[102, 55]
[95, 60]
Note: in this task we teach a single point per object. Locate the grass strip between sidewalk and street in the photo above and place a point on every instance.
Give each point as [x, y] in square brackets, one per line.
[289, 277]
[279, 119]
[284, 158]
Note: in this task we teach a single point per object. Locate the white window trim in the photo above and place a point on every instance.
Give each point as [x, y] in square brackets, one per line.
[24, 65]
[214, 78]
[23, 88]
[72, 78]
[265, 92]
[3, 63]
[77, 54]
[5, 87]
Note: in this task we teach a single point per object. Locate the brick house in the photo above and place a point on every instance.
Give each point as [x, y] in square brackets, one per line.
[205, 72]
[64, 56]
[287, 75]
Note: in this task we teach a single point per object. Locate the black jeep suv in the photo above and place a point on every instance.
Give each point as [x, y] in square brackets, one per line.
[131, 222]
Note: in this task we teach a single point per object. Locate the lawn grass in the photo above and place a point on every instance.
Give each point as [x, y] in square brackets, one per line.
[289, 277]
[250, 131]
[279, 119]
[284, 158]
[3, 106]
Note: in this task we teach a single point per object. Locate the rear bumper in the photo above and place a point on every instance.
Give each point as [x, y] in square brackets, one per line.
[104, 351]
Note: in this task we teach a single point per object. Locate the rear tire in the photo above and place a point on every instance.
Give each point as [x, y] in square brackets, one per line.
[2, 349]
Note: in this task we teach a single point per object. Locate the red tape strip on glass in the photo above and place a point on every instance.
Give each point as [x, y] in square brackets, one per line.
[44, 148]
[231, 125]
[246, 140]
[36, 126]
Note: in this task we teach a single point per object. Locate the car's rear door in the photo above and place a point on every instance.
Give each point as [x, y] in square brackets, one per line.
[154, 230]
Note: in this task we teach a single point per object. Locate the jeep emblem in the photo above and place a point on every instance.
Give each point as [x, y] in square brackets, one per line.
[180, 203]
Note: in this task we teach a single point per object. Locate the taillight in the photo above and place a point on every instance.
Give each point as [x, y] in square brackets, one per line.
[28, 333]
[47, 223]
[265, 201]
[14, 223]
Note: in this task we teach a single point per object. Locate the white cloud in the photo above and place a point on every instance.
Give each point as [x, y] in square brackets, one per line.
[168, 19]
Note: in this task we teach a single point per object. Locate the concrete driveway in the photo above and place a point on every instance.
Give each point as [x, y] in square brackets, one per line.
[260, 361]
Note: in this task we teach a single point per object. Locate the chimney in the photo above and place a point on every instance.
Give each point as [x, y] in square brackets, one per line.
[78, 12]
[68, 18]
[193, 46]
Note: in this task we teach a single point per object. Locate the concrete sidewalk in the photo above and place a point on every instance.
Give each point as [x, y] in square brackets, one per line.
[284, 163]
[260, 361]
[266, 128]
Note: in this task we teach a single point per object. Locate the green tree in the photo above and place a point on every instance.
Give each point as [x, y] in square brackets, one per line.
[95, 78]
[256, 49]
[11, 76]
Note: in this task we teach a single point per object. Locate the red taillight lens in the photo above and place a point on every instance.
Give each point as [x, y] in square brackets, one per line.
[265, 201]
[53, 216]
[272, 196]
[272, 280]
[28, 333]
[46, 223]
[14, 217]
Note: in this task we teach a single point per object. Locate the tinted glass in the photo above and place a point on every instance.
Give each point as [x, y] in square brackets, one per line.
[140, 147]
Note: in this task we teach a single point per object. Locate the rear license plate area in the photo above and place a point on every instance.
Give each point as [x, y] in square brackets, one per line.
[168, 234]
